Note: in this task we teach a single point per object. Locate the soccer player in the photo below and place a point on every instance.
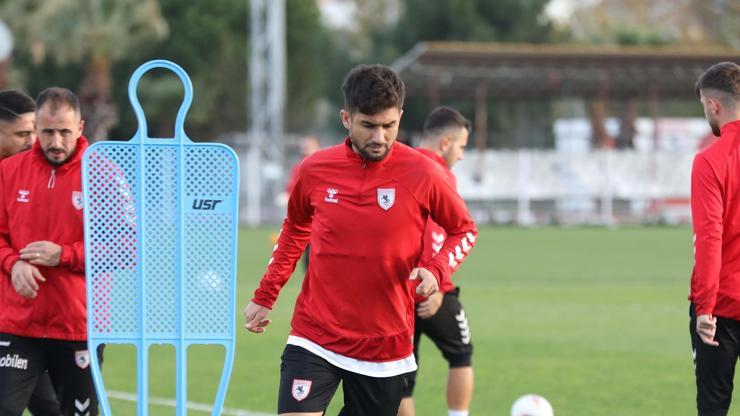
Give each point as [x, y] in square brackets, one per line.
[715, 208]
[17, 134]
[43, 316]
[441, 316]
[364, 205]
[16, 123]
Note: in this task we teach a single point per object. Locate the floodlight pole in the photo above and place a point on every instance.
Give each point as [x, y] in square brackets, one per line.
[266, 102]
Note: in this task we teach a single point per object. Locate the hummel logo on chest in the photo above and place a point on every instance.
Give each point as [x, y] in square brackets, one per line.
[23, 195]
[332, 195]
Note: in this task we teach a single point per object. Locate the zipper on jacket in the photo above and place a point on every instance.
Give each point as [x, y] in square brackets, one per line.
[52, 179]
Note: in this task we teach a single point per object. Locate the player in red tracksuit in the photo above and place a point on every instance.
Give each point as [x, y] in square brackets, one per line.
[43, 314]
[363, 205]
[17, 134]
[715, 207]
[441, 316]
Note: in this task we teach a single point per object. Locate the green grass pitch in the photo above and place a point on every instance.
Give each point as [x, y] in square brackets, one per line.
[593, 319]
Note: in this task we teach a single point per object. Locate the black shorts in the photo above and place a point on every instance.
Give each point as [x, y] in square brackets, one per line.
[24, 360]
[449, 330]
[43, 401]
[715, 366]
[308, 383]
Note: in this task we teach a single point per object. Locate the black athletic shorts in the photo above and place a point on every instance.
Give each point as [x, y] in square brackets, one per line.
[715, 366]
[449, 330]
[43, 401]
[308, 383]
[24, 360]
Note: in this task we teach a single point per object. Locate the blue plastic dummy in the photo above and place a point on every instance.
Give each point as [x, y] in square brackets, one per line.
[160, 246]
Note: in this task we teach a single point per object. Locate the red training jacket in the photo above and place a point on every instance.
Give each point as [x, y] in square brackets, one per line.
[41, 202]
[366, 222]
[715, 209]
[434, 235]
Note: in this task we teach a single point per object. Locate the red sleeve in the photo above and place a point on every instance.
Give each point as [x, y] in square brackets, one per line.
[73, 256]
[292, 179]
[707, 217]
[8, 256]
[449, 211]
[292, 241]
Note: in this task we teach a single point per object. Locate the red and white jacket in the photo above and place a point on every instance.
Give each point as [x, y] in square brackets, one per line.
[365, 221]
[41, 202]
[434, 235]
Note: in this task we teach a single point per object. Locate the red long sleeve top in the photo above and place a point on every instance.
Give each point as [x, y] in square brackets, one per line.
[365, 221]
[715, 208]
[434, 235]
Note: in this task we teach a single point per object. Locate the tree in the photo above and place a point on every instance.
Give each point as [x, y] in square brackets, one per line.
[637, 22]
[209, 40]
[473, 20]
[307, 42]
[96, 33]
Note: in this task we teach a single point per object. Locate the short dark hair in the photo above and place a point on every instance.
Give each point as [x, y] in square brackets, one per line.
[14, 103]
[57, 97]
[371, 89]
[442, 118]
[723, 77]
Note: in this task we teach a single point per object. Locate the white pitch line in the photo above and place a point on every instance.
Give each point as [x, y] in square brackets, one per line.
[200, 407]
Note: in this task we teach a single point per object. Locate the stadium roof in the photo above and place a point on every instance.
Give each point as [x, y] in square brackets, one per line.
[529, 71]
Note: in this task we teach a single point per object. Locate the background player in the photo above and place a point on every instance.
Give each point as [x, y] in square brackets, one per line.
[715, 210]
[441, 316]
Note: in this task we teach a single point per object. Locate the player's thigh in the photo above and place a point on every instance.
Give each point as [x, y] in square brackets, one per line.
[21, 363]
[714, 366]
[371, 396]
[307, 382]
[450, 331]
[69, 369]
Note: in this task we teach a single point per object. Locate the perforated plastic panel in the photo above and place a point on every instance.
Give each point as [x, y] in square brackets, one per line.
[160, 240]
[207, 238]
[112, 261]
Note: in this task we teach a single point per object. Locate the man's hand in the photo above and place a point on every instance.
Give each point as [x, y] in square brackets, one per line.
[42, 253]
[256, 317]
[706, 326]
[428, 283]
[429, 307]
[24, 277]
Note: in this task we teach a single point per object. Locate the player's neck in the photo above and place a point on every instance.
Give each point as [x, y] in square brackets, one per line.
[430, 147]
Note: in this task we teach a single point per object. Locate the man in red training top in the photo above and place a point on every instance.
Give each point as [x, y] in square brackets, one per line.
[441, 316]
[715, 208]
[364, 205]
[17, 134]
[43, 314]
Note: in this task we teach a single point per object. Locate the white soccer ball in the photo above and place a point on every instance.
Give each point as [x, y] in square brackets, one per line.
[531, 405]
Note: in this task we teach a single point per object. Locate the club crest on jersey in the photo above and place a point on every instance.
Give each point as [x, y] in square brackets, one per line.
[386, 198]
[82, 359]
[331, 195]
[23, 195]
[300, 389]
[77, 200]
